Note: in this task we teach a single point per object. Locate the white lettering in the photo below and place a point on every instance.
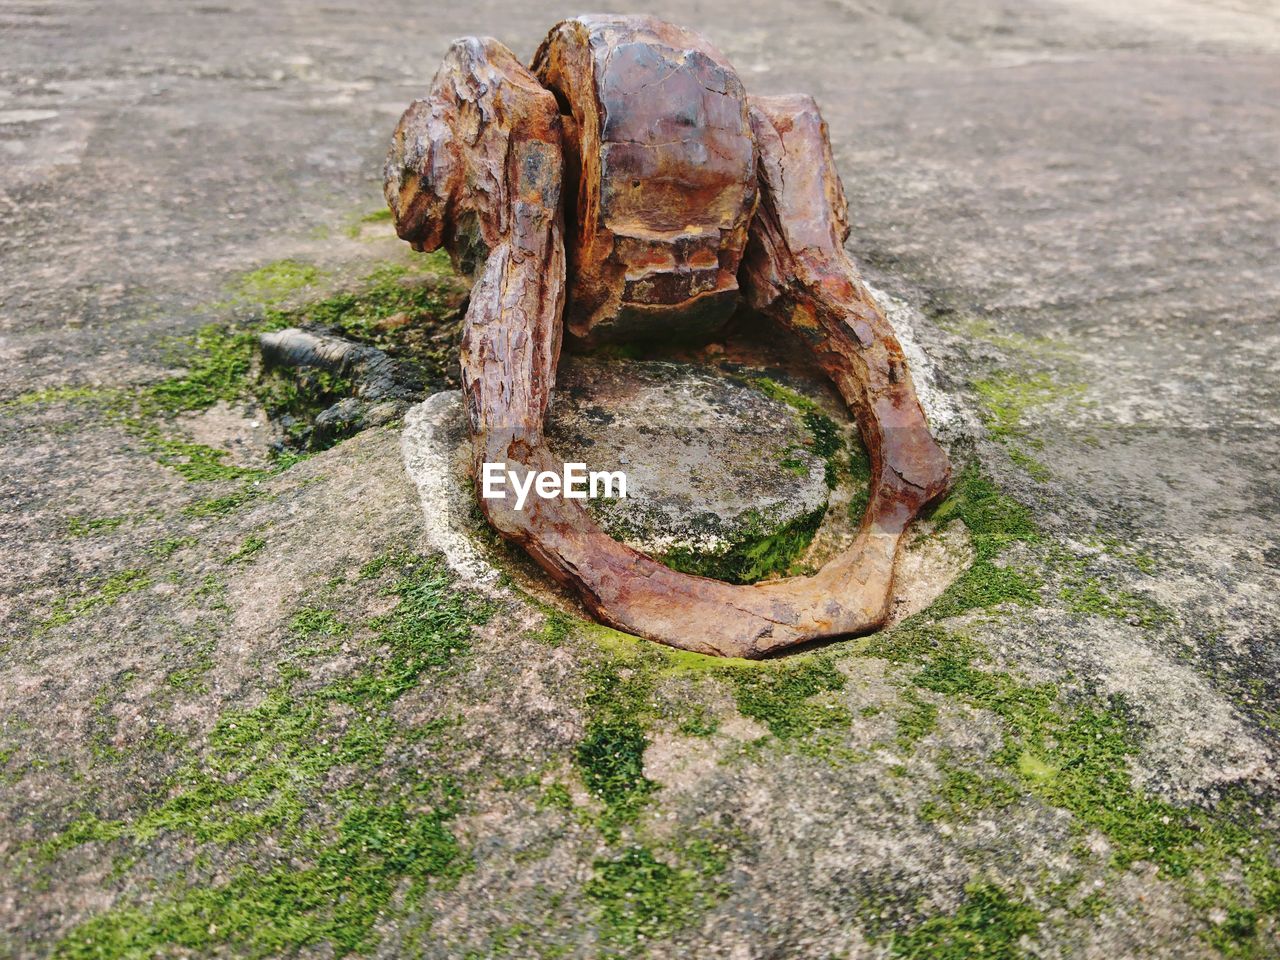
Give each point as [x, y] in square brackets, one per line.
[574, 483]
[522, 489]
[494, 473]
[548, 484]
[575, 479]
[608, 479]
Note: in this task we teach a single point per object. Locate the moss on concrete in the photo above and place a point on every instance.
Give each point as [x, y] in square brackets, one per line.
[989, 923]
[756, 555]
[262, 771]
[792, 698]
[99, 592]
[641, 897]
[965, 793]
[253, 544]
[1076, 755]
[995, 522]
[610, 756]
[335, 900]
[88, 526]
[277, 281]
[1005, 400]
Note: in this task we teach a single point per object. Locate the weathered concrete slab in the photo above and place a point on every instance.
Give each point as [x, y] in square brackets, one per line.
[1075, 201]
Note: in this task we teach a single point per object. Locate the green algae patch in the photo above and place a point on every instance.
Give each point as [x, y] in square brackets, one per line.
[793, 697]
[789, 698]
[964, 793]
[102, 592]
[251, 547]
[610, 756]
[989, 924]
[1006, 399]
[397, 308]
[381, 215]
[66, 394]
[641, 897]
[278, 281]
[754, 556]
[262, 773]
[995, 522]
[336, 900]
[825, 438]
[859, 478]
[631, 685]
[1076, 756]
[917, 721]
[88, 526]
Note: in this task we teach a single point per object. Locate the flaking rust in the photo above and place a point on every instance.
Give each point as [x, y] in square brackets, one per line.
[624, 187]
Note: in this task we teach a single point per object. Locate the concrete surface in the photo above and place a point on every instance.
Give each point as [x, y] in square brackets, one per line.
[1078, 204]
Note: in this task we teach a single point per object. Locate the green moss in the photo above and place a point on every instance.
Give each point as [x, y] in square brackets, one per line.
[1077, 756]
[296, 396]
[701, 722]
[1035, 469]
[313, 623]
[989, 924]
[223, 505]
[258, 913]
[263, 771]
[556, 627]
[196, 461]
[1089, 596]
[396, 308]
[252, 545]
[641, 898]
[381, 215]
[965, 793]
[555, 796]
[1084, 592]
[776, 391]
[87, 526]
[96, 396]
[278, 281]
[1007, 398]
[610, 756]
[218, 359]
[917, 721]
[787, 697]
[825, 437]
[166, 547]
[755, 556]
[102, 592]
[860, 479]
[995, 522]
[630, 685]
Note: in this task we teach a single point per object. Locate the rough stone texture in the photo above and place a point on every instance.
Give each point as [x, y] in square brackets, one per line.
[703, 454]
[1081, 189]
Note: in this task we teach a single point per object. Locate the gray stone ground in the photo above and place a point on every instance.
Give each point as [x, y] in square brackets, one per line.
[257, 725]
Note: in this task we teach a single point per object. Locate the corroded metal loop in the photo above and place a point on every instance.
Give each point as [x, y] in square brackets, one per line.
[477, 167]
